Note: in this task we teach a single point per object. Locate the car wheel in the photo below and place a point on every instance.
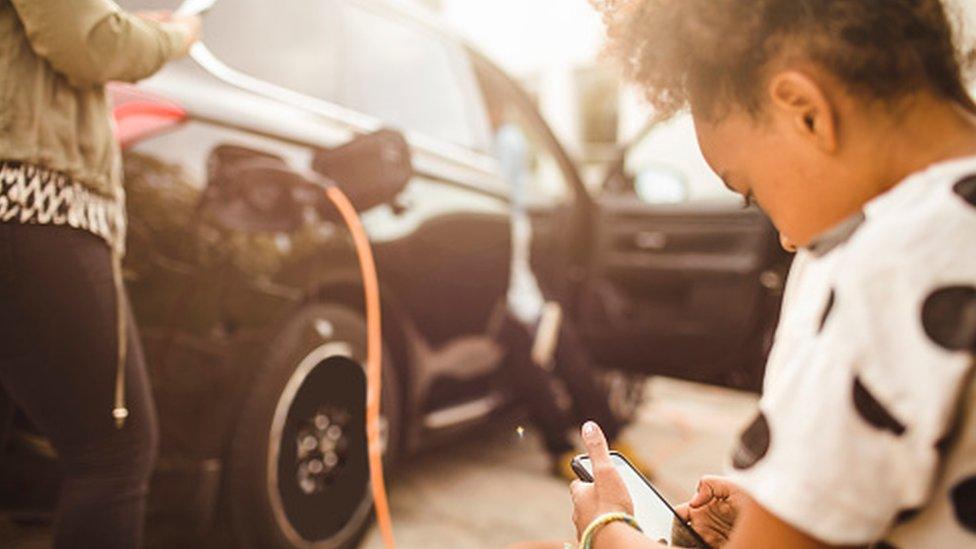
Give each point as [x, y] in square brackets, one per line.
[287, 481]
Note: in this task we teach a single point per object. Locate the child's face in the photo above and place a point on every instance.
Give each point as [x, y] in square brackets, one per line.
[767, 160]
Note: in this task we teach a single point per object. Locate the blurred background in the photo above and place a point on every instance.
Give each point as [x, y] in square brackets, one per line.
[511, 149]
[553, 48]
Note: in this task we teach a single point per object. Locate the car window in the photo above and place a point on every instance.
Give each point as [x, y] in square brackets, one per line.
[527, 154]
[408, 77]
[526, 157]
[668, 167]
[291, 44]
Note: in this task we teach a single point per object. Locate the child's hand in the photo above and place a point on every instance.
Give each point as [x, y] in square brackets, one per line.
[607, 493]
[713, 509]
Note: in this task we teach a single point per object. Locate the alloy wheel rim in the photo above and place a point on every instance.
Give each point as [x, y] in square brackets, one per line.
[295, 467]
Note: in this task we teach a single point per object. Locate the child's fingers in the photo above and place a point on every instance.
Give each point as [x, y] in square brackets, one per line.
[683, 511]
[597, 449]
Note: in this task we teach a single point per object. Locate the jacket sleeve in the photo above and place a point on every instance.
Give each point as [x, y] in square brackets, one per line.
[93, 41]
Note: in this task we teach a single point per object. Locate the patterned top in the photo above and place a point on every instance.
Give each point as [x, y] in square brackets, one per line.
[867, 431]
[34, 195]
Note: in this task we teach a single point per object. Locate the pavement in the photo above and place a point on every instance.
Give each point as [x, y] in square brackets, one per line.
[492, 487]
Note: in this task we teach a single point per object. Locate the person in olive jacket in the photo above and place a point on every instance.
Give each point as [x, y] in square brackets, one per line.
[68, 346]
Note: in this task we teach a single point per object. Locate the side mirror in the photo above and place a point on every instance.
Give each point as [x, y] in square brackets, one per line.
[371, 169]
[659, 185]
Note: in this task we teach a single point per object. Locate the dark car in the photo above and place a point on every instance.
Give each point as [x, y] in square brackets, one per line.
[247, 289]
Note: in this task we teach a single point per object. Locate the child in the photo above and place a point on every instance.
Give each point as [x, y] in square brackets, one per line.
[847, 121]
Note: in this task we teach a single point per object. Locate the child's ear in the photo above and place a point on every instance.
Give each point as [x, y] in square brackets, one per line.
[800, 99]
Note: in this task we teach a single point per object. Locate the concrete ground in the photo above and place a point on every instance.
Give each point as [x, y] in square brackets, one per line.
[492, 487]
[493, 490]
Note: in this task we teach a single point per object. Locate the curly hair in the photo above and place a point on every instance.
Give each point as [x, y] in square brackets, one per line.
[712, 54]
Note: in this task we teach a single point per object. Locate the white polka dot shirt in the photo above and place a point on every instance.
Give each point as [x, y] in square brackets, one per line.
[866, 432]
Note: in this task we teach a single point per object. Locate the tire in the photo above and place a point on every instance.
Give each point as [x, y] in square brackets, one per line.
[272, 494]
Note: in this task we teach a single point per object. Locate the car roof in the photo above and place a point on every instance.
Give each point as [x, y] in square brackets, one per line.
[408, 8]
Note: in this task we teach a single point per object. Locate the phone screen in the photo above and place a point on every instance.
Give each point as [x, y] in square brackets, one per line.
[654, 515]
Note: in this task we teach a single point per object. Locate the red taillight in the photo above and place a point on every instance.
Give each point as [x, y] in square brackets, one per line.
[139, 114]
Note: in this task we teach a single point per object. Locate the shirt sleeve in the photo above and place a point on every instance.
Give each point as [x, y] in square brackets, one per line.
[847, 439]
[93, 41]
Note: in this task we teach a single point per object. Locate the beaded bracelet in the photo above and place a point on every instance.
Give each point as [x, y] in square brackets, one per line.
[586, 540]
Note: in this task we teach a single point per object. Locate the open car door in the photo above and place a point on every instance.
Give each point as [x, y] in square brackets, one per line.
[681, 281]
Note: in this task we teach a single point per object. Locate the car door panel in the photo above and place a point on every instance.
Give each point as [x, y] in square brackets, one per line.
[672, 289]
[451, 270]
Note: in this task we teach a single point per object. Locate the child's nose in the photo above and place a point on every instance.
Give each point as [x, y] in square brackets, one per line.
[786, 243]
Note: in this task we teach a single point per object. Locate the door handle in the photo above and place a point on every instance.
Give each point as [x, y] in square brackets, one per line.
[651, 240]
[771, 280]
[400, 205]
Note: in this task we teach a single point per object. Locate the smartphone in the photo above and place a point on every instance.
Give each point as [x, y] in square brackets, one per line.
[654, 514]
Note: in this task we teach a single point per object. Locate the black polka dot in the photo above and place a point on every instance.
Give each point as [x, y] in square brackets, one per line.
[907, 515]
[873, 411]
[964, 503]
[949, 317]
[967, 189]
[753, 443]
[883, 545]
[826, 312]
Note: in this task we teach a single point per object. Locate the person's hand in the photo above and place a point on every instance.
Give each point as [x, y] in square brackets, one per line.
[713, 509]
[193, 26]
[190, 24]
[160, 16]
[607, 493]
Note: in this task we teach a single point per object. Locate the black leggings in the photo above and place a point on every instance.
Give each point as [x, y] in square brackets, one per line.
[534, 386]
[58, 352]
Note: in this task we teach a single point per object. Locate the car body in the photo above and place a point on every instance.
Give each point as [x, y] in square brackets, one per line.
[245, 306]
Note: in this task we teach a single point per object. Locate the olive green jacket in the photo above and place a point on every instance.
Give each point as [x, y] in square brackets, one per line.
[55, 58]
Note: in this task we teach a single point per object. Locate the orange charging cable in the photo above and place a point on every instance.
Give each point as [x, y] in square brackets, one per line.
[374, 360]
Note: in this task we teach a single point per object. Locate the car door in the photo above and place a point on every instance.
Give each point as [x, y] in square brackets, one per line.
[682, 280]
[443, 244]
[554, 196]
